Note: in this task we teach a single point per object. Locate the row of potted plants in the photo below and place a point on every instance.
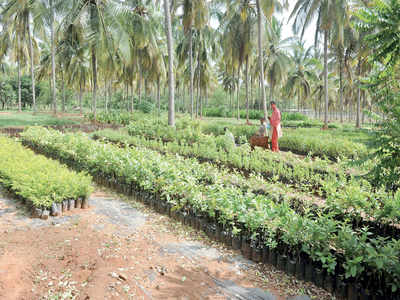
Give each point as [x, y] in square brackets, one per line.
[48, 187]
[351, 197]
[195, 192]
[298, 141]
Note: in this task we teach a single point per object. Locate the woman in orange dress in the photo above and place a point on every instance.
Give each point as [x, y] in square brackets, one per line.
[275, 121]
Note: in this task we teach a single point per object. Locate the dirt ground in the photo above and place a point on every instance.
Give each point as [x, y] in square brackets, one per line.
[119, 249]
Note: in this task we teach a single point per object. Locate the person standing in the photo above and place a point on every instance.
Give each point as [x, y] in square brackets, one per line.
[275, 121]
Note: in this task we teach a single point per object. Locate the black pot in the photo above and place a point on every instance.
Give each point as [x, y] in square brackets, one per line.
[329, 283]
[273, 257]
[203, 224]
[187, 219]
[218, 233]
[228, 239]
[352, 292]
[246, 249]
[127, 189]
[319, 277]
[162, 207]
[174, 214]
[364, 294]
[256, 254]
[153, 202]
[340, 287]
[197, 224]
[308, 273]
[300, 269]
[265, 254]
[236, 242]
[281, 262]
[181, 217]
[291, 267]
[210, 231]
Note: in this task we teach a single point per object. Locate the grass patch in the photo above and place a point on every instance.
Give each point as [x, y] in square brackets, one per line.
[11, 119]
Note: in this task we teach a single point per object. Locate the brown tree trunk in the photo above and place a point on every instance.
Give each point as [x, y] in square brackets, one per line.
[94, 70]
[247, 89]
[171, 79]
[260, 58]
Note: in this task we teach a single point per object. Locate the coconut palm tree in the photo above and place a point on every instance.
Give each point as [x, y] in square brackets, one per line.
[278, 61]
[237, 40]
[96, 17]
[195, 16]
[18, 15]
[327, 13]
[171, 81]
[265, 8]
[302, 73]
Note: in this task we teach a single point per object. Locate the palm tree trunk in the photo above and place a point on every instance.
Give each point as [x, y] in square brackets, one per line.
[260, 59]
[251, 93]
[247, 89]
[201, 102]
[191, 71]
[63, 91]
[80, 97]
[298, 100]
[326, 77]
[358, 113]
[197, 97]
[271, 93]
[171, 79]
[32, 67]
[230, 100]
[132, 104]
[110, 92]
[341, 89]
[127, 95]
[140, 84]
[158, 95]
[94, 70]
[53, 61]
[19, 85]
[145, 88]
[238, 96]
[106, 93]
[363, 107]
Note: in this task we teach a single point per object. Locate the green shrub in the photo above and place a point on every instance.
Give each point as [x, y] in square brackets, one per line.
[37, 179]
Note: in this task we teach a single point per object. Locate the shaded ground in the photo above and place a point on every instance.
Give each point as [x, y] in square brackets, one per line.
[118, 249]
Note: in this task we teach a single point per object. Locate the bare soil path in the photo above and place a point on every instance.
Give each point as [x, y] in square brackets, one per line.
[119, 249]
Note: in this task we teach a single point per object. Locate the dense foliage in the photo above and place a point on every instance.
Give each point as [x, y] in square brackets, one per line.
[39, 180]
[382, 20]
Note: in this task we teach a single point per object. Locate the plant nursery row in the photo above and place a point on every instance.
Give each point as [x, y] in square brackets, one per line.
[44, 184]
[344, 195]
[302, 141]
[321, 248]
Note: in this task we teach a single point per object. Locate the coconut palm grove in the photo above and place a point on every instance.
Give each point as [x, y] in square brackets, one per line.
[198, 149]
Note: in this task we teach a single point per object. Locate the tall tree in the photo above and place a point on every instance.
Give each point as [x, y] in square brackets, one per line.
[19, 14]
[267, 8]
[195, 16]
[326, 12]
[96, 15]
[171, 80]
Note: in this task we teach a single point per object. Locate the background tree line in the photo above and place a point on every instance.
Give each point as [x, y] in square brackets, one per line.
[188, 55]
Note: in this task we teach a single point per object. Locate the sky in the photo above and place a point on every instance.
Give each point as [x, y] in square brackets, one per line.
[287, 27]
